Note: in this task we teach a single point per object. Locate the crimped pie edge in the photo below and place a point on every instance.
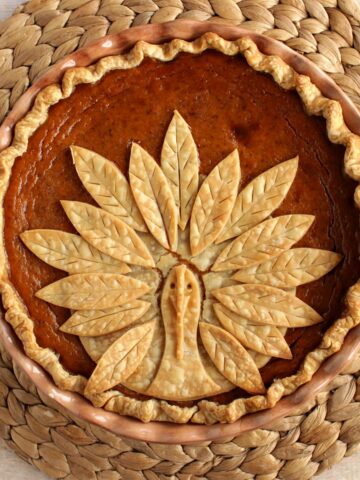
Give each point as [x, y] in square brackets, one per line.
[150, 410]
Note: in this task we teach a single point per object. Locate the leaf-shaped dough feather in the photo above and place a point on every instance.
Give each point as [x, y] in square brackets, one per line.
[180, 164]
[93, 323]
[291, 269]
[70, 252]
[108, 186]
[108, 233]
[214, 203]
[121, 359]
[93, 291]
[265, 339]
[154, 197]
[266, 240]
[231, 358]
[260, 198]
[266, 305]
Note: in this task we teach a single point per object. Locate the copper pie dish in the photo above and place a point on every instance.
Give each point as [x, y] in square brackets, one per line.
[155, 431]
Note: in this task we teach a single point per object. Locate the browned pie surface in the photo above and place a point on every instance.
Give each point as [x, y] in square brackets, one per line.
[228, 106]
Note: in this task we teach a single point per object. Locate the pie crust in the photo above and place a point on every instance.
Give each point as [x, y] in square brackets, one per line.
[208, 222]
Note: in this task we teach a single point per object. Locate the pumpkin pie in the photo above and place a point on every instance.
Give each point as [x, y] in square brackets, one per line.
[181, 230]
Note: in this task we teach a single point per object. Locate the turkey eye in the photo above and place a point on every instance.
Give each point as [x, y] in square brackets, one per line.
[172, 285]
[189, 286]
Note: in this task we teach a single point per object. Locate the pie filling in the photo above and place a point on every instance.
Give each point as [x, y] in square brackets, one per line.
[242, 125]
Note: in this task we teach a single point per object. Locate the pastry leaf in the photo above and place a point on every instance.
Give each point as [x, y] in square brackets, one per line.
[70, 252]
[96, 346]
[108, 233]
[264, 339]
[291, 269]
[93, 323]
[266, 305]
[214, 203]
[94, 291]
[108, 186]
[259, 199]
[153, 197]
[231, 358]
[180, 164]
[121, 359]
[266, 240]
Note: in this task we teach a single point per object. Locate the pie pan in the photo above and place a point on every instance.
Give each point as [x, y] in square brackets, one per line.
[155, 431]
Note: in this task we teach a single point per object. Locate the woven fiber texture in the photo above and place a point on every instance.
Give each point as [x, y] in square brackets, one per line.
[39, 34]
[297, 448]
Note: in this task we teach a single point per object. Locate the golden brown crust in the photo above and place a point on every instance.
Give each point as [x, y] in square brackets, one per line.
[214, 203]
[205, 411]
[180, 164]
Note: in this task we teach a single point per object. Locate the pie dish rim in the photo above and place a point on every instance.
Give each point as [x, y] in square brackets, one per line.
[331, 343]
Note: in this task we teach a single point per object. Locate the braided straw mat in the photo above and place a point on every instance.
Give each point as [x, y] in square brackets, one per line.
[39, 34]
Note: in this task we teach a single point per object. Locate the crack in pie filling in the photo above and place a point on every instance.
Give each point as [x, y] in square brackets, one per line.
[181, 231]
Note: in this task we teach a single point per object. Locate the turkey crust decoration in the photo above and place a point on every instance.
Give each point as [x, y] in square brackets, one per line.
[143, 271]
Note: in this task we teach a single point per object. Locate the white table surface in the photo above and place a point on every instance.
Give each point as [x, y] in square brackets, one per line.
[11, 467]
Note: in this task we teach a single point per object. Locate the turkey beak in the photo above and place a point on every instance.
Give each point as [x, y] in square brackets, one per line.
[180, 301]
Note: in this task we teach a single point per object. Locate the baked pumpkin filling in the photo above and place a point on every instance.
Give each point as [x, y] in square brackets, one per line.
[196, 141]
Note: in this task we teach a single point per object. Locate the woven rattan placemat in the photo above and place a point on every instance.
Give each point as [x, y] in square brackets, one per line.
[39, 34]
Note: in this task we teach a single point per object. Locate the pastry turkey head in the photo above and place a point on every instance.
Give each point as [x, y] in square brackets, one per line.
[181, 372]
[180, 307]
